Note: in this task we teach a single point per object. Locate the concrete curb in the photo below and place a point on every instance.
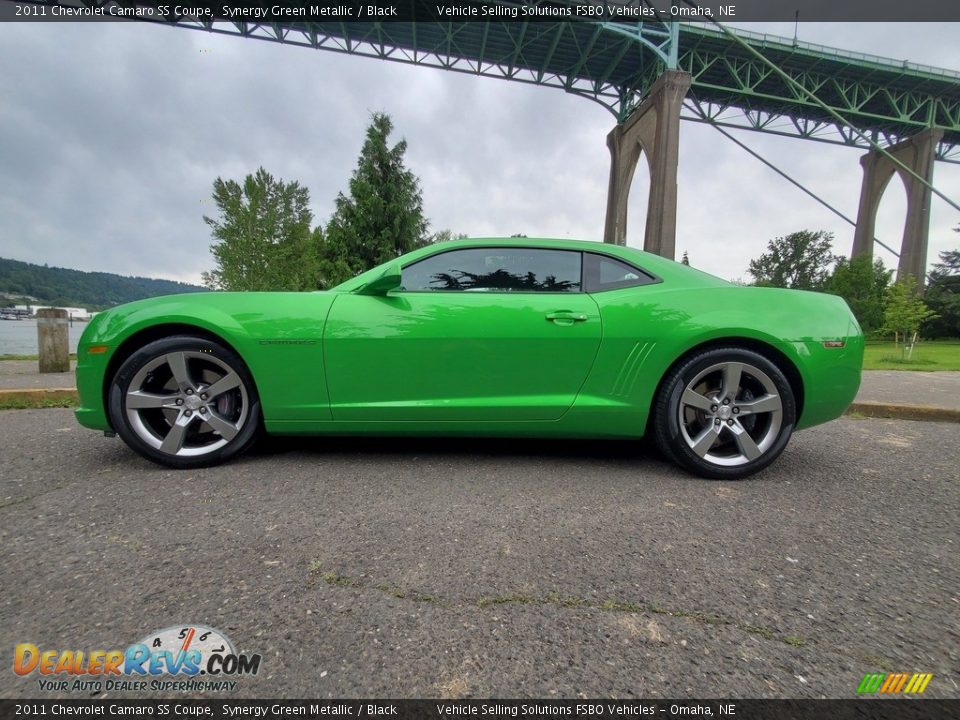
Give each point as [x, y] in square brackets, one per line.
[38, 397]
[929, 413]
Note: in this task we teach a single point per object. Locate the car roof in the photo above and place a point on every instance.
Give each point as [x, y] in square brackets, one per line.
[655, 264]
[553, 243]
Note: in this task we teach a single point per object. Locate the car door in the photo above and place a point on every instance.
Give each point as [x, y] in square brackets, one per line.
[474, 334]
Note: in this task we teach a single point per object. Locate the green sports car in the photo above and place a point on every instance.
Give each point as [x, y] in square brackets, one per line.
[491, 337]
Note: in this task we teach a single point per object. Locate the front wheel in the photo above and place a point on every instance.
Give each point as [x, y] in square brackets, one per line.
[185, 402]
[724, 414]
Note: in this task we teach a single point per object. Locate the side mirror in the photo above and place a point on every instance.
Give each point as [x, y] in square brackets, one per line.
[387, 281]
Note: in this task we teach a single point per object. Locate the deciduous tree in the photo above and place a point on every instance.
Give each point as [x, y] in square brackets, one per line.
[863, 284]
[905, 312]
[801, 261]
[262, 236]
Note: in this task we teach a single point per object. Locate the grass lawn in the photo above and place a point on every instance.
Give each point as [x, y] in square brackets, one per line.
[929, 355]
[15, 399]
[27, 403]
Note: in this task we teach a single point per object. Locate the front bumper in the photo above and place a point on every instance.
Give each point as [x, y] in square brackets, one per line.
[91, 371]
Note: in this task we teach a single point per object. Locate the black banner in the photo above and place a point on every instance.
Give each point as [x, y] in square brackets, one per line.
[485, 10]
[873, 709]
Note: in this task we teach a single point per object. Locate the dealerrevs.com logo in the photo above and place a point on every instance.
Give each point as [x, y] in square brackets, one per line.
[184, 658]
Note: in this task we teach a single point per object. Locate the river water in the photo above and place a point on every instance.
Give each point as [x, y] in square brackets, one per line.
[19, 337]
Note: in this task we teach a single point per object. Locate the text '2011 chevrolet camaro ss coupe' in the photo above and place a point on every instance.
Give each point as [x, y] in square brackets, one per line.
[509, 338]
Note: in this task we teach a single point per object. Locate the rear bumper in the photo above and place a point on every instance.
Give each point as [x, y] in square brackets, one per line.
[831, 378]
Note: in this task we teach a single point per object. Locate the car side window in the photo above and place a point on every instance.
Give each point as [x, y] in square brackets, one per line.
[496, 270]
[601, 272]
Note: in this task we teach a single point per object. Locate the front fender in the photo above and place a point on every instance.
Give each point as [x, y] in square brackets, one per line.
[278, 335]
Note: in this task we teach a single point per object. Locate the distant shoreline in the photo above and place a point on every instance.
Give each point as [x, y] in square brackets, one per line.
[20, 337]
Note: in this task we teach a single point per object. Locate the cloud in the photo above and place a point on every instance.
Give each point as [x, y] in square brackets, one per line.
[114, 133]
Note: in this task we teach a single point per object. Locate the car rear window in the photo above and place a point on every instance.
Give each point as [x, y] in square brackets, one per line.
[602, 272]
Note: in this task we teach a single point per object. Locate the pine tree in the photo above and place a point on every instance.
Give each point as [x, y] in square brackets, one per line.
[382, 217]
[943, 296]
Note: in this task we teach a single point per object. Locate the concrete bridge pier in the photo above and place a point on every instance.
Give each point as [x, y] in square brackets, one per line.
[917, 153]
[653, 128]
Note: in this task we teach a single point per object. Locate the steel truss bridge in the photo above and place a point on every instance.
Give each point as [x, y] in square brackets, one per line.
[614, 63]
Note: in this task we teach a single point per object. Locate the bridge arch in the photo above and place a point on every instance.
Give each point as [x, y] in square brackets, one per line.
[654, 130]
[917, 153]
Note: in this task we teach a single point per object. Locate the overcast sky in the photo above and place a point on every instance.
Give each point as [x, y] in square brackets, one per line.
[114, 132]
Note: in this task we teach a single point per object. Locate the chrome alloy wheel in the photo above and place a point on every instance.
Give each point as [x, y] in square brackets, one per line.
[730, 413]
[186, 403]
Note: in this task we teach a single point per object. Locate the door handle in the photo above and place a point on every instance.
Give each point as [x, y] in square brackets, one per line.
[565, 317]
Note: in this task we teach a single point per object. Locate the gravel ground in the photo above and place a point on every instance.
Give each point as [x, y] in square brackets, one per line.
[495, 569]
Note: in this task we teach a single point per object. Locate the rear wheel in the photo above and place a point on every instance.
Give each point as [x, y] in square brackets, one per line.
[185, 402]
[725, 413]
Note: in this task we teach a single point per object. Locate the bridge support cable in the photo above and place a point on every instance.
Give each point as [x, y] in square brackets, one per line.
[799, 185]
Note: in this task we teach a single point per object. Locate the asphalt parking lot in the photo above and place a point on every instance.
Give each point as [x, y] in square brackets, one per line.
[495, 569]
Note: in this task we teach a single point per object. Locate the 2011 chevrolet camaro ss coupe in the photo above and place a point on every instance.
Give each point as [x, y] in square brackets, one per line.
[492, 337]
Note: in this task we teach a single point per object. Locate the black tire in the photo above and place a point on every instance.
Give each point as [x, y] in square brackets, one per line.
[158, 404]
[718, 431]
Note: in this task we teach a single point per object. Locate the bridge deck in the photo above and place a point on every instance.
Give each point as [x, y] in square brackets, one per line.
[893, 99]
[615, 62]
